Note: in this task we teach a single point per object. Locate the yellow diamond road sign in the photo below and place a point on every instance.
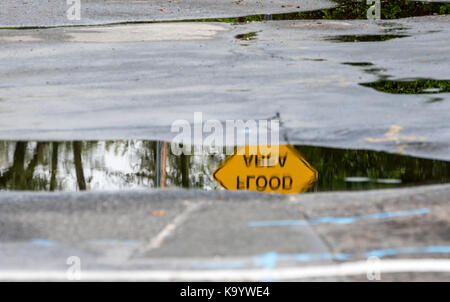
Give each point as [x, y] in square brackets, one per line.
[286, 173]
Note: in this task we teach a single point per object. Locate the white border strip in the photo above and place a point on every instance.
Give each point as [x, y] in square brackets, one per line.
[279, 274]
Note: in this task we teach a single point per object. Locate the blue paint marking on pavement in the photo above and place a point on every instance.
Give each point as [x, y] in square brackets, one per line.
[409, 250]
[43, 242]
[270, 260]
[338, 220]
[323, 256]
[267, 261]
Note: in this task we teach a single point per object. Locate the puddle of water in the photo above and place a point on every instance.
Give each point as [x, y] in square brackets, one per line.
[363, 38]
[314, 60]
[358, 63]
[393, 28]
[344, 10]
[410, 86]
[403, 86]
[246, 38]
[435, 100]
[350, 10]
[375, 70]
[141, 165]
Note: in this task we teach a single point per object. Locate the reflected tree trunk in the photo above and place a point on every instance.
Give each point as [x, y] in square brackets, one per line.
[15, 173]
[160, 167]
[163, 173]
[78, 165]
[18, 164]
[54, 166]
[33, 163]
[184, 170]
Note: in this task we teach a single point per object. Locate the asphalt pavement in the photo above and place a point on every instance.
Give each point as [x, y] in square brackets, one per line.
[101, 80]
[136, 80]
[45, 13]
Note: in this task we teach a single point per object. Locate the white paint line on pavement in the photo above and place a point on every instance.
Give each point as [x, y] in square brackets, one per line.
[156, 241]
[279, 274]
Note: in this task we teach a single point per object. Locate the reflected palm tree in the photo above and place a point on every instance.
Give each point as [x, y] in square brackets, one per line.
[76, 145]
[54, 166]
[184, 167]
[15, 173]
[161, 164]
[17, 177]
[29, 172]
[179, 167]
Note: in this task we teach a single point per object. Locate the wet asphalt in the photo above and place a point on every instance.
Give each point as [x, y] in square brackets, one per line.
[134, 80]
[45, 13]
[52, 79]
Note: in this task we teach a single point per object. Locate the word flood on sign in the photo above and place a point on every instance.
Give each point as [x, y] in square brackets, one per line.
[266, 169]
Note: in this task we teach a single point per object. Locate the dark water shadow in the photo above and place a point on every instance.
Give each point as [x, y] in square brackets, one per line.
[363, 38]
[246, 38]
[363, 64]
[349, 10]
[410, 86]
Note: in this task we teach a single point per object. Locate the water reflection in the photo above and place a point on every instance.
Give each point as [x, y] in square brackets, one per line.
[348, 10]
[246, 38]
[410, 86]
[140, 164]
[102, 165]
[363, 38]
